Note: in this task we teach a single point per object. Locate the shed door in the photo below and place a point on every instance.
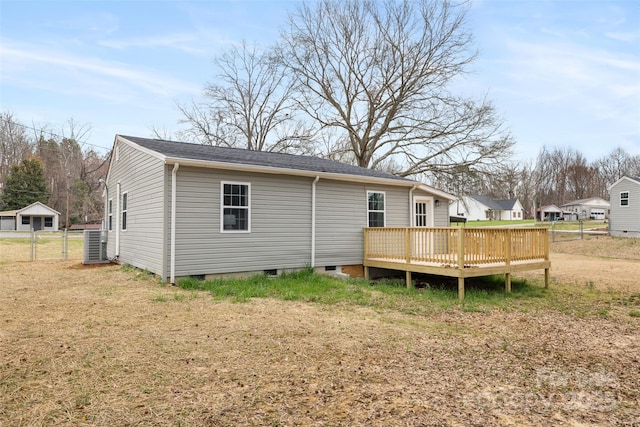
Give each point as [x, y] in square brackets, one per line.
[37, 223]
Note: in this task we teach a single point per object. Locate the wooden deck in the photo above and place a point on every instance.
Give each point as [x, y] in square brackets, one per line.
[458, 252]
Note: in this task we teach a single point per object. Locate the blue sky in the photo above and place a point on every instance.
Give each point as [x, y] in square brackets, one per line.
[561, 73]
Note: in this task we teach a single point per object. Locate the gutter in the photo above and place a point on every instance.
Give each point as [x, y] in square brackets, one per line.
[174, 173]
[117, 251]
[313, 221]
[411, 216]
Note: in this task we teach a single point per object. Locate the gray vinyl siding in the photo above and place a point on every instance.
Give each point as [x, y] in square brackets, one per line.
[625, 220]
[141, 176]
[341, 216]
[280, 235]
[440, 213]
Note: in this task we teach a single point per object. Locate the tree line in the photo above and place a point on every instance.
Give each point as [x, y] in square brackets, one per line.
[38, 164]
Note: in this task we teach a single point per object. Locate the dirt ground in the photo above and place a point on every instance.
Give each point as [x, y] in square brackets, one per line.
[102, 346]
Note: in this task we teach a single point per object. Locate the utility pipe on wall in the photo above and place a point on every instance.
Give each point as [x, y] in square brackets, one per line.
[411, 215]
[117, 254]
[174, 173]
[313, 221]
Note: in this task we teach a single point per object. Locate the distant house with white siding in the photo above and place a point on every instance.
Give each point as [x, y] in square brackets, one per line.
[590, 208]
[624, 217]
[180, 209]
[37, 216]
[481, 208]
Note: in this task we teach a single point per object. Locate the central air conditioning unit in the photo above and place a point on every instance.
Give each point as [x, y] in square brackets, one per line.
[95, 249]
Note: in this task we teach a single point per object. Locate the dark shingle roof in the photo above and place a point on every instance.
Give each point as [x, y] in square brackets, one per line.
[182, 150]
[499, 205]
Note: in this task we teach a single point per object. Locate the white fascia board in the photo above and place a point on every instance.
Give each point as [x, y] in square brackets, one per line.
[436, 192]
[624, 178]
[122, 139]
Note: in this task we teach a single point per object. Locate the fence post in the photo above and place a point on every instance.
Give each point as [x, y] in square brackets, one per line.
[65, 244]
[581, 229]
[32, 252]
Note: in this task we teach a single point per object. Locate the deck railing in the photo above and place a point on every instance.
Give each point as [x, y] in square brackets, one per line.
[456, 247]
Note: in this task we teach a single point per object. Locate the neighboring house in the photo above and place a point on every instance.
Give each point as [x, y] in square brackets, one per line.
[480, 208]
[180, 209]
[624, 218]
[549, 213]
[37, 216]
[591, 208]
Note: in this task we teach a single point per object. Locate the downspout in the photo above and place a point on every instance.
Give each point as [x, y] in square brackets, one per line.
[313, 221]
[411, 216]
[174, 173]
[117, 252]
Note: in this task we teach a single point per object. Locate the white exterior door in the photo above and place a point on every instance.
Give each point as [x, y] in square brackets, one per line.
[422, 242]
[423, 212]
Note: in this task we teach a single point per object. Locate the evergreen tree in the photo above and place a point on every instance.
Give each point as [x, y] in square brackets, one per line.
[25, 184]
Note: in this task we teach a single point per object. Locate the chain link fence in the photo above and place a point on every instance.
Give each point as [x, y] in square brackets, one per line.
[40, 246]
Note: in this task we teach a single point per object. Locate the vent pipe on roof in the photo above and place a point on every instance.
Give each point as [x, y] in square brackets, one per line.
[174, 173]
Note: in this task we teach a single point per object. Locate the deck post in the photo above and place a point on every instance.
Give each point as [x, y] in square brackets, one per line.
[366, 272]
[408, 278]
[546, 278]
[461, 264]
[407, 245]
[461, 249]
[507, 276]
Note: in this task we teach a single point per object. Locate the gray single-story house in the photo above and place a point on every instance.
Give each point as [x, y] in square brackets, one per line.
[624, 216]
[179, 209]
[590, 208]
[37, 216]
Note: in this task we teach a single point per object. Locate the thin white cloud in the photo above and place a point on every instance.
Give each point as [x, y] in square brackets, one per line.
[182, 42]
[623, 37]
[110, 73]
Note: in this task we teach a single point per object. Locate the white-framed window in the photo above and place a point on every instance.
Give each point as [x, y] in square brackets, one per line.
[110, 215]
[26, 220]
[375, 209]
[125, 202]
[624, 198]
[235, 207]
[48, 221]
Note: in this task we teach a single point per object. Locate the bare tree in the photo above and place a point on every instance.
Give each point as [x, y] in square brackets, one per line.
[380, 73]
[249, 105]
[15, 145]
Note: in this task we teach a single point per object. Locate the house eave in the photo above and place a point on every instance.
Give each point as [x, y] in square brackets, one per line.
[243, 167]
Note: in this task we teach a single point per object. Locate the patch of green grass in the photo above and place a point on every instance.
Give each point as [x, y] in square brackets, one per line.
[481, 294]
[634, 313]
[160, 298]
[504, 223]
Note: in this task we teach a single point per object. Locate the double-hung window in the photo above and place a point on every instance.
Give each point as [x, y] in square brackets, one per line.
[125, 201]
[236, 207]
[624, 198]
[375, 209]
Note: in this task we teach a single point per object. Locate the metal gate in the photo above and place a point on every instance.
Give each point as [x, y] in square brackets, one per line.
[55, 246]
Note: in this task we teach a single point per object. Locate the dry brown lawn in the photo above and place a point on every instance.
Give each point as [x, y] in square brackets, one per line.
[103, 346]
